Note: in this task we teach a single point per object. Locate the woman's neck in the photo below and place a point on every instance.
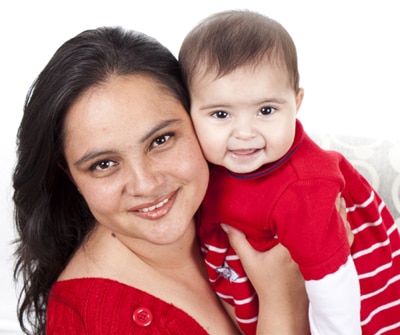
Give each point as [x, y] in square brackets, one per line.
[104, 245]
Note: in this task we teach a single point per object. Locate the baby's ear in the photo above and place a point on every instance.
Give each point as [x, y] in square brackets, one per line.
[299, 98]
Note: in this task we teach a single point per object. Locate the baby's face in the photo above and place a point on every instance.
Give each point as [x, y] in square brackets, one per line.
[245, 119]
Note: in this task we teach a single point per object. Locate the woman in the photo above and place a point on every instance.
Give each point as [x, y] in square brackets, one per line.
[108, 179]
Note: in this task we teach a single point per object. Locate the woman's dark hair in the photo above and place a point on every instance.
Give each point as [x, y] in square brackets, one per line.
[52, 218]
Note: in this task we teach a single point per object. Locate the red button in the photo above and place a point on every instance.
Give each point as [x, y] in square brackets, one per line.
[142, 316]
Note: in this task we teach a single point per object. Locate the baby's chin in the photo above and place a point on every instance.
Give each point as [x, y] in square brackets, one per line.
[244, 167]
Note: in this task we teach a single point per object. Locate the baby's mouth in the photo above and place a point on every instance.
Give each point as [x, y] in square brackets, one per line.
[244, 152]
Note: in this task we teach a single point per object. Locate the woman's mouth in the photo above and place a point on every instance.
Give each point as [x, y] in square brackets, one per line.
[157, 209]
[152, 208]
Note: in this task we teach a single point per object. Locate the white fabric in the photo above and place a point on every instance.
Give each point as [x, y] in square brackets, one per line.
[335, 302]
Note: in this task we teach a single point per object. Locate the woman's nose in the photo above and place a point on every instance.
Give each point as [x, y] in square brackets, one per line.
[142, 179]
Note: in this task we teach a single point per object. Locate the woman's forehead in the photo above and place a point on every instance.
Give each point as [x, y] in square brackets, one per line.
[131, 104]
[134, 94]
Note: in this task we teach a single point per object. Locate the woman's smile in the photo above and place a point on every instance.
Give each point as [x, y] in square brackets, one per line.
[156, 209]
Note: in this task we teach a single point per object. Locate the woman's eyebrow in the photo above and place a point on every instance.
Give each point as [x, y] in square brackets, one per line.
[94, 154]
[157, 128]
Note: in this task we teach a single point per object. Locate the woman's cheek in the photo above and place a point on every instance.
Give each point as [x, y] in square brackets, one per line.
[101, 198]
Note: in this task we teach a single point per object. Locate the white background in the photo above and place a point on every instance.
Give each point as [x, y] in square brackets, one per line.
[348, 52]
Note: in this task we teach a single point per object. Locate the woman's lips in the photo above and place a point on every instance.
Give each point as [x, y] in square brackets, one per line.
[156, 209]
[152, 208]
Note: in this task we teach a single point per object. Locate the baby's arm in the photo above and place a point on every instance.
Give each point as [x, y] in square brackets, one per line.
[283, 303]
[335, 302]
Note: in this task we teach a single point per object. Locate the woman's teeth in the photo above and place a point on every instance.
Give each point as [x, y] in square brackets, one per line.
[152, 208]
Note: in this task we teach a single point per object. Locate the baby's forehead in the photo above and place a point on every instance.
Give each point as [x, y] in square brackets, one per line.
[210, 72]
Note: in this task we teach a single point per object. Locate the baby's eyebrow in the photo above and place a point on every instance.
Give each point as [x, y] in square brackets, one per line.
[213, 106]
[270, 101]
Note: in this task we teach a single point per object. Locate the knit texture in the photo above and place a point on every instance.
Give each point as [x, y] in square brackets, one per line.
[96, 306]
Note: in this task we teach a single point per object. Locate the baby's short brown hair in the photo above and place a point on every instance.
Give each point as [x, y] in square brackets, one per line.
[227, 40]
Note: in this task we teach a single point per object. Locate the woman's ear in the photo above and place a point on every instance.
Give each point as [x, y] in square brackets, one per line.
[62, 164]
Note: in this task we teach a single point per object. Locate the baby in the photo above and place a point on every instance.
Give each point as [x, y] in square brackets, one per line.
[270, 180]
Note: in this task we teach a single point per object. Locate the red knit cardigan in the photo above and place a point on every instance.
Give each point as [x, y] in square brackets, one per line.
[97, 306]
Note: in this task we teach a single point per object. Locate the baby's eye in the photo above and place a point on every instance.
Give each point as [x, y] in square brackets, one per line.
[220, 114]
[102, 165]
[267, 110]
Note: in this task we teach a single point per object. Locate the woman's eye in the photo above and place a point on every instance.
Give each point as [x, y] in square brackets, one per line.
[267, 110]
[102, 165]
[161, 140]
[220, 114]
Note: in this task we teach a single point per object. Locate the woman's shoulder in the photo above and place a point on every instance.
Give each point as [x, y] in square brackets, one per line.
[86, 294]
[79, 288]
[105, 306]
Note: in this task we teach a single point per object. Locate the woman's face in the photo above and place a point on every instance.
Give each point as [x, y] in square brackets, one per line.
[132, 153]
